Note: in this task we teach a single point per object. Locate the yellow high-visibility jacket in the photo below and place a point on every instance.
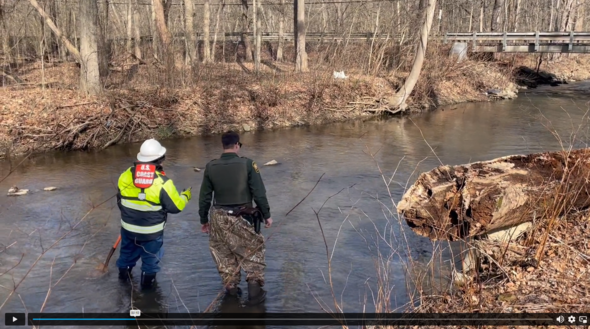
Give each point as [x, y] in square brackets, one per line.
[145, 219]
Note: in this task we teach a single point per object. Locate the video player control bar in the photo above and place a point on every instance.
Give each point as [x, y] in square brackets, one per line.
[135, 317]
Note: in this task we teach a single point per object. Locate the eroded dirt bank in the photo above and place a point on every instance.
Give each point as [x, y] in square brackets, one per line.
[45, 112]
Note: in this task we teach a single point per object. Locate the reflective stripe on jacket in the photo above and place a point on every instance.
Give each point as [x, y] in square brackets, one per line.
[145, 219]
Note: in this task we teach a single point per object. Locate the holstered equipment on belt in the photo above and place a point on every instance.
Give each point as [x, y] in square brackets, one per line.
[252, 215]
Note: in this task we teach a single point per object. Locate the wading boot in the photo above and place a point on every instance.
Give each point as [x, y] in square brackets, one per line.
[232, 290]
[125, 273]
[147, 279]
[256, 294]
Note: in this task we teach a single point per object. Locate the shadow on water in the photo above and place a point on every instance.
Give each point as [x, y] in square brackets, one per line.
[235, 305]
[359, 222]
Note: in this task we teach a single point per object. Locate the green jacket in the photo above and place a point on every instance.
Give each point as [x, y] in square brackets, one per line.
[235, 181]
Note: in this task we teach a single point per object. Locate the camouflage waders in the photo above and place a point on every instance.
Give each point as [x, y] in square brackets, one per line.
[234, 244]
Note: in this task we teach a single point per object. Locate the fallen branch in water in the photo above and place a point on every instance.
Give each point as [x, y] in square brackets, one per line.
[51, 247]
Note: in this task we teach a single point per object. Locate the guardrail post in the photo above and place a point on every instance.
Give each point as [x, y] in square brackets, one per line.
[504, 42]
[474, 41]
[571, 45]
[536, 40]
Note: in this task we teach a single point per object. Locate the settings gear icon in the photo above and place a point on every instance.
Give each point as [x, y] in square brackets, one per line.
[571, 319]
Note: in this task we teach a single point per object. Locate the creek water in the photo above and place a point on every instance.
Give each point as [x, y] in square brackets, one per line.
[357, 222]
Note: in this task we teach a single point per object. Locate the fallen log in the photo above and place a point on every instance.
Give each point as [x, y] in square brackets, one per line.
[456, 202]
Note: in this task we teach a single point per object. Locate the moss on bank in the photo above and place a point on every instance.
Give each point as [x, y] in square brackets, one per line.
[38, 116]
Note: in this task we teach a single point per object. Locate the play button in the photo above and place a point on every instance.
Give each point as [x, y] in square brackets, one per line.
[14, 319]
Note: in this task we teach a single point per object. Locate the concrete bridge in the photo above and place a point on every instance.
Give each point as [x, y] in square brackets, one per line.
[523, 42]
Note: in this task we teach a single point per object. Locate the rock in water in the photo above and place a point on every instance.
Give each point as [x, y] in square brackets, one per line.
[456, 202]
[196, 169]
[246, 127]
[50, 188]
[14, 191]
[271, 163]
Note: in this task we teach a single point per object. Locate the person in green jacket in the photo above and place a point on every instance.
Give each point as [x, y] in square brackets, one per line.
[235, 182]
[146, 196]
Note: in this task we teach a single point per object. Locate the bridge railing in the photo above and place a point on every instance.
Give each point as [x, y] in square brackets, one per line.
[536, 38]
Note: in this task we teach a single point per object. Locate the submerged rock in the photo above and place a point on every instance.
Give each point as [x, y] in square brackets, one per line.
[271, 163]
[50, 188]
[196, 169]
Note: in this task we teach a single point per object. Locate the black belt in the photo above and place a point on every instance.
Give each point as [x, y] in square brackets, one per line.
[252, 215]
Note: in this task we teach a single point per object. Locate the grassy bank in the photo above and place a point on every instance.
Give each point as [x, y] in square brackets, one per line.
[42, 110]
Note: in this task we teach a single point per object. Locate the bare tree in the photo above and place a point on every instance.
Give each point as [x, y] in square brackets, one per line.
[281, 31]
[89, 71]
[256, 24]
[137, 34]
[517, 15]
[191, 37]
[206, 33]
[5, 32]
[129, 25]
[163, 32]
[246, 30]
[399, 100]
[566, 15]
[220, 9]
[299, 28]
[497, 14]
[155, 36]
[73, 50]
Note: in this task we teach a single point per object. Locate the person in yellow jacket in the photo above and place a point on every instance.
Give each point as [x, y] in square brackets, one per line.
[146, 196]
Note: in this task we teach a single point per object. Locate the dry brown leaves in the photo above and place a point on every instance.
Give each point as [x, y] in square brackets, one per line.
[38, 118]
[47, 113]
[560, 284]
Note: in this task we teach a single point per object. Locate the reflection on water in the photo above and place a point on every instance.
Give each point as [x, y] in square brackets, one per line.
[357, 221]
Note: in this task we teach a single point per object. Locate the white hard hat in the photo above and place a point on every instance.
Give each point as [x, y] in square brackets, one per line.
[150, 150]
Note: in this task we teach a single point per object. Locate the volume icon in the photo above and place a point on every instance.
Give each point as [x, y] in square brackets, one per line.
[560, 319]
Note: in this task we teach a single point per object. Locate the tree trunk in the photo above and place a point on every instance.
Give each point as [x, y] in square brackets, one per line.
[216, 32]
[137, 34]
[206, 33]
[398, 101]
[481, 15]
[163, 33]
[154, 30]
[191, 37]
[517, 15]
[55, 30]
[129, 44]
[245, 31]
[551, 15]
[5, 33]
[89, 71]
[471, 18]
[455, 202]
[256, 24]
[281, 32]
[496, 14]
[566, 16]
[167, 5]
[300, 29]
[581, 13]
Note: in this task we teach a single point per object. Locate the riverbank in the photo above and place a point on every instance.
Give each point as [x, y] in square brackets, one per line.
[514, 283]
[44, 111]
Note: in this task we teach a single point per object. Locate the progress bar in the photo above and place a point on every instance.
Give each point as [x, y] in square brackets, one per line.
[311, 319]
